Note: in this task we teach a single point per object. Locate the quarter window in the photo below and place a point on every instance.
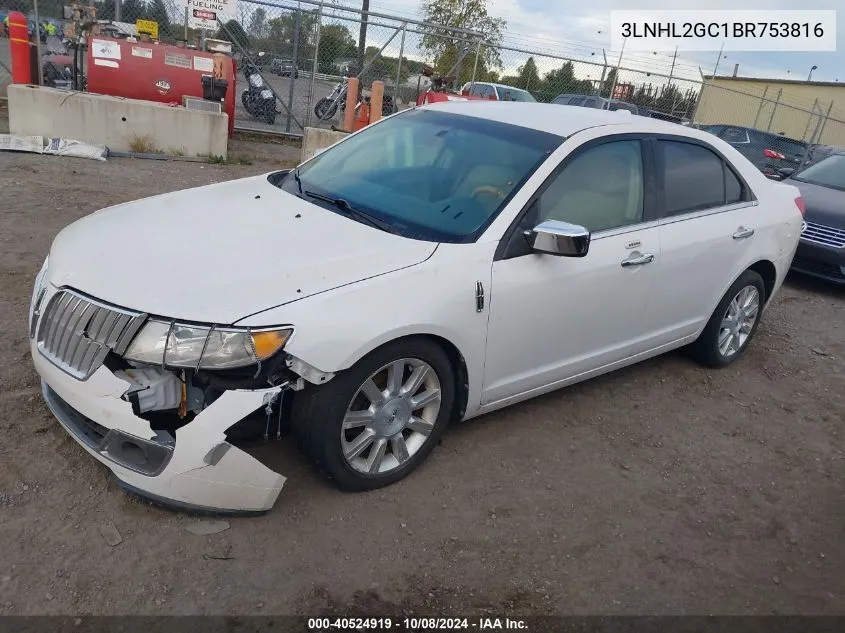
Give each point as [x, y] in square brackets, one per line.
[695, 178]
[599, 189]
[735, 136]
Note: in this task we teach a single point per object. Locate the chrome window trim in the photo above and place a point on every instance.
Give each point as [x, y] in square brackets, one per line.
[702, 213]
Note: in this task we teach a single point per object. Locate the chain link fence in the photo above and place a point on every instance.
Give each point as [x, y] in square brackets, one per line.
[304, 49]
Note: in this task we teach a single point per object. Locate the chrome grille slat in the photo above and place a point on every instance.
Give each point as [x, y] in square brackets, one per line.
[76, 332]
[824, 235]
[64, 301]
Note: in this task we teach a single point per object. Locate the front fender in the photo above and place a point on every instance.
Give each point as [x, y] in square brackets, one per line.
[337, 328]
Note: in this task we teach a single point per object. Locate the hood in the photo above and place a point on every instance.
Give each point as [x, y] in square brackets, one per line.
[222, 252]
[824, 205]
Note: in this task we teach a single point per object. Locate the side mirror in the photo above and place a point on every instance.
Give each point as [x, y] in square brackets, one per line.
[554, 237]
[785, 172]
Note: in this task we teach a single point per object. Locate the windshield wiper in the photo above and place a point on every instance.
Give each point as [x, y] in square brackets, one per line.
[347, 208]
[298, 180]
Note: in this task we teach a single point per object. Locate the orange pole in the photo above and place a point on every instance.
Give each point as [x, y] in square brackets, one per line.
[376, 99]
[351, 102]
[19, 48]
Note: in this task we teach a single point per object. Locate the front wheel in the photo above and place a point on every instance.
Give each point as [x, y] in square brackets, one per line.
[325, 109]
[732, 324]
[377, 421]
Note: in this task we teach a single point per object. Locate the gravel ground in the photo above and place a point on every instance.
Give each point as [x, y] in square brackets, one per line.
[660, 489]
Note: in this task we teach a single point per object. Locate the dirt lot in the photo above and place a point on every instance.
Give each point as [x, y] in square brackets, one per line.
[663, 488]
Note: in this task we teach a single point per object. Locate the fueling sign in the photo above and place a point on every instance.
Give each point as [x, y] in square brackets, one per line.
[204, 14]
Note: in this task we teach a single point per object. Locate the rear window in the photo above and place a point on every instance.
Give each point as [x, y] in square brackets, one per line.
[787, 146]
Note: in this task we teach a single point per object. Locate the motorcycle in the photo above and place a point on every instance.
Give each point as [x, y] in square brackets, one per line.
[258, 99]
[328, 106]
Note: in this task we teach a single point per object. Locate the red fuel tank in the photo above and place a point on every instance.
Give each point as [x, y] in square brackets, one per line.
[155, 72]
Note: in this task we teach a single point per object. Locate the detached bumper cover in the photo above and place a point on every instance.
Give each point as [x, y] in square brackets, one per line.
[199, 471]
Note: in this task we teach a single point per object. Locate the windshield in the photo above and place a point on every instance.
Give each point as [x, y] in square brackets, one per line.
[829, 172]
[515, 94]
[430, 175]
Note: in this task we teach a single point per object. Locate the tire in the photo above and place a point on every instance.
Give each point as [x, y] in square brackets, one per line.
[325, 109]
[319, 412]
[706, 348]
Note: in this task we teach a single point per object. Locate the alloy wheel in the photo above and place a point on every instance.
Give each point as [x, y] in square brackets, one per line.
[391, 416]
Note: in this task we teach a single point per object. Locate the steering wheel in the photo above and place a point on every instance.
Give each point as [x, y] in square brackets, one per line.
[488, 189]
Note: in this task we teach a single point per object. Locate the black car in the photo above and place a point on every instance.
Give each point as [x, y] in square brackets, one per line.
[284, 68]
[821, 249]
[769, 152]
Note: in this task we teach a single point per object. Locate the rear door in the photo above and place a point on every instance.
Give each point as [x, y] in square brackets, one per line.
[707, 218]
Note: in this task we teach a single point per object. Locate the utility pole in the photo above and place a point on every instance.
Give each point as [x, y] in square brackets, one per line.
[362, 35]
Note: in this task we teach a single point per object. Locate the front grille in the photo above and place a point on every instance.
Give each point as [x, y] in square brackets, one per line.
[824, 235]
[819, 268]
[76, 332]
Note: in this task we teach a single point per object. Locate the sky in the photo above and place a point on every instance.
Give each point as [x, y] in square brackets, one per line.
[581, 29]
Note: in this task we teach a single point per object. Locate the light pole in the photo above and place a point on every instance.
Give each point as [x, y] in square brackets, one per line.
[810, 76]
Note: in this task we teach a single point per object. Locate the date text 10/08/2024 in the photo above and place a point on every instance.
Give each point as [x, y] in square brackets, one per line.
[415, 624]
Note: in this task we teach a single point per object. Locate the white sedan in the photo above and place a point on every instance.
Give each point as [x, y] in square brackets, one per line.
[445, 262]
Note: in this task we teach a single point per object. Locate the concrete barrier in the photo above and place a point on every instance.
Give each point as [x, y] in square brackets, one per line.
[123, 125]
[316, 139]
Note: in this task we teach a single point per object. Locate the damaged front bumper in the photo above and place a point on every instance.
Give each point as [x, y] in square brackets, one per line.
[198, 470]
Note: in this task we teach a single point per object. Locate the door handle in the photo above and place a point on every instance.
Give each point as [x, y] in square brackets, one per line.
[637, 261]
[742, 233]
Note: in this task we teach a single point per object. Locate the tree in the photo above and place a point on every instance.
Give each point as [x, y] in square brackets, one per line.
[608, 83]
[335, 43]
[234, 32]
[528, 76]
[446, 47]
[258, 22]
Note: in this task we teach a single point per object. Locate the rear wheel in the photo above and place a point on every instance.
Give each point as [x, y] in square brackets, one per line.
[733, 324]
[376, 422]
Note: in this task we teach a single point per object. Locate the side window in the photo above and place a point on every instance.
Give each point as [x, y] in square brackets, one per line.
[475, 91]
[561, 100]
[599, 189]
[489, 92]
[577, 101]
[695, 178]
[590, 103]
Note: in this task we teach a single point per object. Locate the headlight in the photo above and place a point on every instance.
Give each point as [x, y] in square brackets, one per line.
[38, 291]
[194, 346]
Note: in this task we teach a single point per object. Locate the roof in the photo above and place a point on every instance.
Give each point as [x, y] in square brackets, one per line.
[795, 82]
[549, 117]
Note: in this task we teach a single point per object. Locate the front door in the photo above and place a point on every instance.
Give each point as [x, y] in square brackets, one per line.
[553, 318]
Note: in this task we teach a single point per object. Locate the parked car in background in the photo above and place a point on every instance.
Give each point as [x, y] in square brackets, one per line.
[496, 92]
[284, 68]
[594, 101]
[768, 151]
[442, 263]
[819, 151]
[821, 250]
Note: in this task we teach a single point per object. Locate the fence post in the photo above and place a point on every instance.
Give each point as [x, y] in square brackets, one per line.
[810, 119]
[826, 117]
[314, 67]
[774, 109]
[760, 107]
[117, 7]
[294, 66]
[38, 42]
[475, 65]
[603, 71]
[616, 74]
[399, 67]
